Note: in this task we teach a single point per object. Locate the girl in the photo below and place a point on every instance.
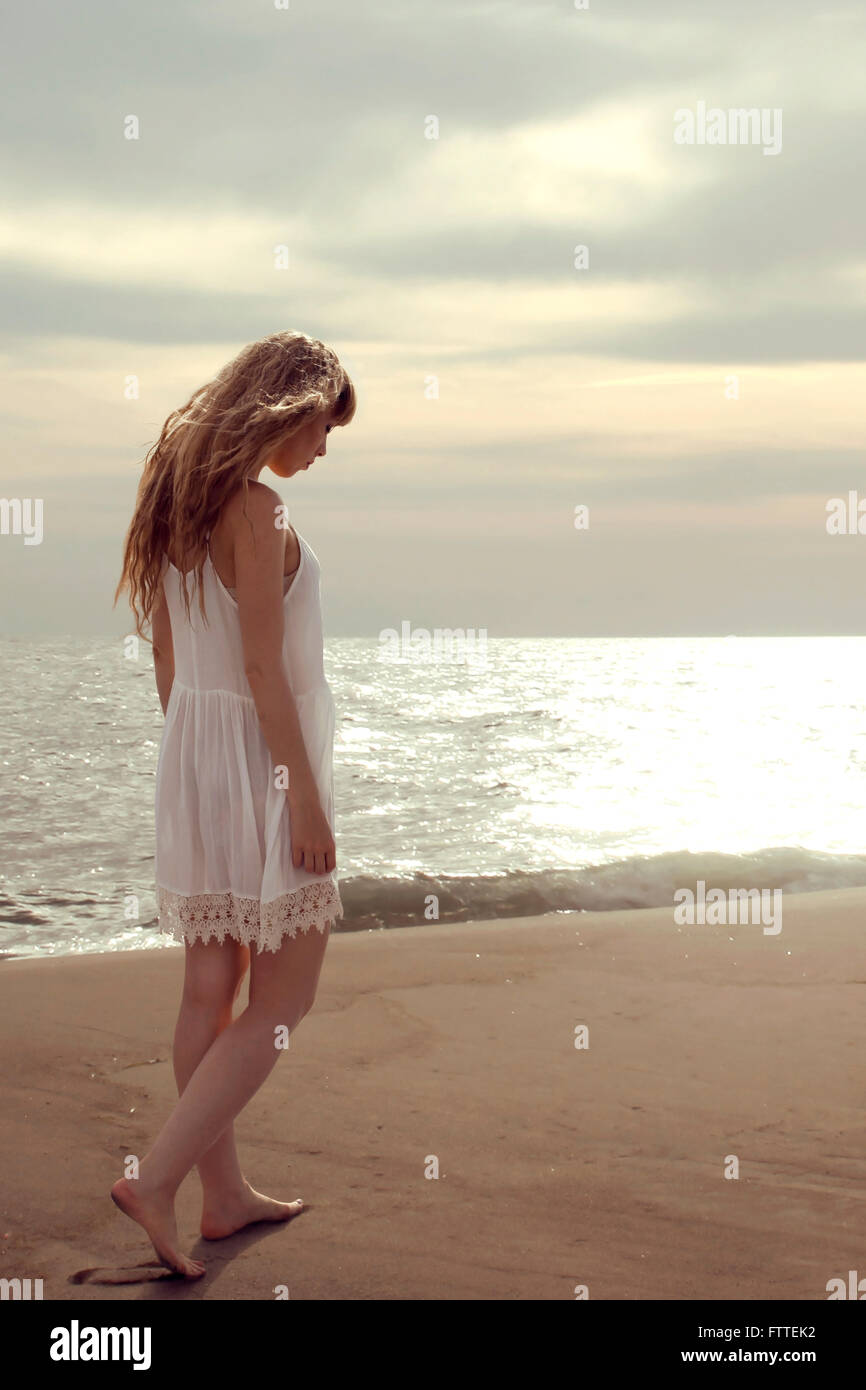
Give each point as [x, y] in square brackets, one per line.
[245, 856]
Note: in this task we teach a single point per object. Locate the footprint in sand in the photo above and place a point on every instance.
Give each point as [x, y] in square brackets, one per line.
[133, 1274]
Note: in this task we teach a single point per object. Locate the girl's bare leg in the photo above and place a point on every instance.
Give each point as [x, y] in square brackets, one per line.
[213, 979]
[282, 990]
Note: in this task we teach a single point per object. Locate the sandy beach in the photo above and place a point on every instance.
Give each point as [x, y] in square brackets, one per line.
[559, 1166]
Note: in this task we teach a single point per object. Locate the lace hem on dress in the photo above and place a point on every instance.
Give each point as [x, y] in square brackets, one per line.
[201, 916]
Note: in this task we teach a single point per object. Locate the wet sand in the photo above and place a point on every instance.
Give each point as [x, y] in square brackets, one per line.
[558, 1166]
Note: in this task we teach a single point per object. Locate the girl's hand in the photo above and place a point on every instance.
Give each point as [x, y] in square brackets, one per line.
[313, 845]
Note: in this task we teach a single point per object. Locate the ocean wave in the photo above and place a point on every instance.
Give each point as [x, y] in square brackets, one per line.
[640, 881]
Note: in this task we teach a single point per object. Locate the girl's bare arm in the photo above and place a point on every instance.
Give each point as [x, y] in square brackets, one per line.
[259, 558]
[163, 648]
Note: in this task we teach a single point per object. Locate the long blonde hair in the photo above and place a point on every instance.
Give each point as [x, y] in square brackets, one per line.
[272, 389]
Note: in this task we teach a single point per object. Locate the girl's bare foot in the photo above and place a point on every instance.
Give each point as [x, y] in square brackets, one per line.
[223, 1216]
[156, 1216]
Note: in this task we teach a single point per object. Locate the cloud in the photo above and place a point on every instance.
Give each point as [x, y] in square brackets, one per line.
[449, 258]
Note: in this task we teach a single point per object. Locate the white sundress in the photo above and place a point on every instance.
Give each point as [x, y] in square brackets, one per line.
[223, 862]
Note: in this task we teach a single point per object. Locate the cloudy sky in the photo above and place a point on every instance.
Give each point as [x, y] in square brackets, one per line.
[696, 382]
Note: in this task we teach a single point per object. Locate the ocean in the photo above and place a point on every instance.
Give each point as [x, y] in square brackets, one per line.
[544, 776]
